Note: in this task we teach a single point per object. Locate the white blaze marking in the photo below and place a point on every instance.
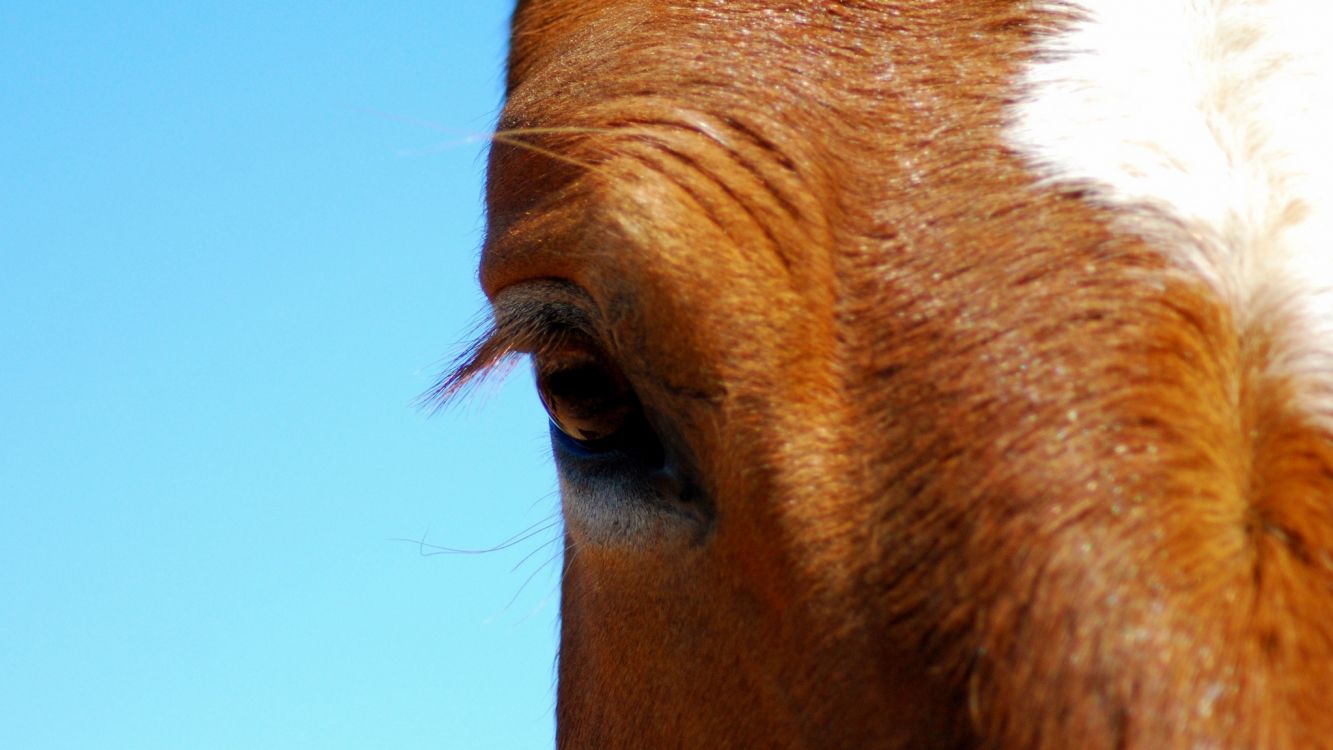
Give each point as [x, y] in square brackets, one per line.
[1211, 122]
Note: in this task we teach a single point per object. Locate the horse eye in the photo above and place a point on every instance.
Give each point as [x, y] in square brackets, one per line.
[590, 401]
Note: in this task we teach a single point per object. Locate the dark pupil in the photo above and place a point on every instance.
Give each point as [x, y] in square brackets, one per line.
[587, 402]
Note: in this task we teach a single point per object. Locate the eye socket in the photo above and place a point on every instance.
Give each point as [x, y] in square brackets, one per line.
[593, 406]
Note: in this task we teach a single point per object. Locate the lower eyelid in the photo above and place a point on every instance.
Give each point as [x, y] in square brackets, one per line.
[613, 499]
[573, 447]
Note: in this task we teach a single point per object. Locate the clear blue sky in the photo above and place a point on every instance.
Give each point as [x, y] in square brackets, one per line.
[237, 241]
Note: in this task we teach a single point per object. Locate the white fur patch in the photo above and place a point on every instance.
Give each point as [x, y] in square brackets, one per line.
[1213, 121]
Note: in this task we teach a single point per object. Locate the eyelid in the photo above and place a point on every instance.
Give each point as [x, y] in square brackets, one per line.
[534, 317]
[537, 317]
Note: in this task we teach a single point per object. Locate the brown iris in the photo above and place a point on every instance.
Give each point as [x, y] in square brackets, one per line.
[587, 399]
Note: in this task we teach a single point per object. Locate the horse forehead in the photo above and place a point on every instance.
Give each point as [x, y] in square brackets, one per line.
[544, 29]
[819, 112]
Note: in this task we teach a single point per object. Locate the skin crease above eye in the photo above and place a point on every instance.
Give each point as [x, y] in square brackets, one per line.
[979, 429]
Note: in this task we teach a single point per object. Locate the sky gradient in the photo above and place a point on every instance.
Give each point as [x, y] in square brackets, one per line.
[238, 241]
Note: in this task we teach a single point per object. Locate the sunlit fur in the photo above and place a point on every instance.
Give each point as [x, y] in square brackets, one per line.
[1001, 448]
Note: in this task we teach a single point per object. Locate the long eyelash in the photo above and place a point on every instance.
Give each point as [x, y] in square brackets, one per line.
[529, 328]
[487, 354]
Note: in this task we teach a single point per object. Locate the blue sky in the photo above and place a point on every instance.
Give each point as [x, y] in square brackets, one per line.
[237, 241]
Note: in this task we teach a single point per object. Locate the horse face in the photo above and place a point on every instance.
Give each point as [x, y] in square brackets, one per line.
[871, 429]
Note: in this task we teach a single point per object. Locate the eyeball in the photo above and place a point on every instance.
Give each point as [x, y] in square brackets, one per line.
[589, 400]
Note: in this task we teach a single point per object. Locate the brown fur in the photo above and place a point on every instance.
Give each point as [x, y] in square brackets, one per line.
[985, 472]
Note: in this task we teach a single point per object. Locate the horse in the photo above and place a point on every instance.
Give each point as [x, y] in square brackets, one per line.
[927, 373]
